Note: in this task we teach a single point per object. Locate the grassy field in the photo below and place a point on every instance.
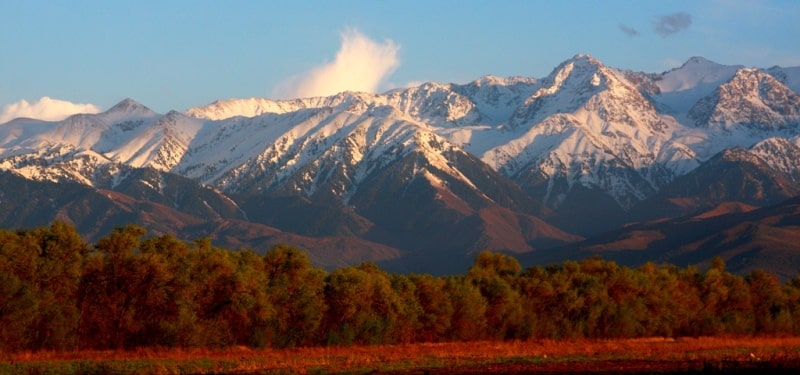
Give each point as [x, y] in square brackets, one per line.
[654, 355]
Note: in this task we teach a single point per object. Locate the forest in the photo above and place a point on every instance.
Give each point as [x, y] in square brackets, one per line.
[131, 290]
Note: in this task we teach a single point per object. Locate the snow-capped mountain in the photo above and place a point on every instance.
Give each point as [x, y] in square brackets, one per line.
[488, 99]
[677, 90]
[128, 134]
[587, 125]
[788, 76]
[752, 99]
[470, 165]
[762, 175]
[781, 155]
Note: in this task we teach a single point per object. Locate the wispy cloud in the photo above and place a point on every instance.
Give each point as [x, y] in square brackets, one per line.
[45, 109]
[669, 24]
[629, 31]
[361, 64]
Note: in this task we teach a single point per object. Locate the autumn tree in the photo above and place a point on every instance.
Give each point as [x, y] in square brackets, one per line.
[54, 261]
[409, 310]
[791, 292]
[726, 306]
[296, 290]
[436, 307]
[231, 303]
[468, 321]
[540, 299]
[362, 306]
[57, 293]
[771, 314]
[493, 274]
[127, 298]
[670, 299]
[18, 304]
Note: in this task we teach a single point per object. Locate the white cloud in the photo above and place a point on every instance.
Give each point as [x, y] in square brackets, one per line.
[45, 109]
[361, 64]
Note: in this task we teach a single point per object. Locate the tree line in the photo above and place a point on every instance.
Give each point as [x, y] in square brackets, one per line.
[129, 290]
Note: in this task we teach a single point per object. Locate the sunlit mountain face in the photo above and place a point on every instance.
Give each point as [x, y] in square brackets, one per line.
[420, 178]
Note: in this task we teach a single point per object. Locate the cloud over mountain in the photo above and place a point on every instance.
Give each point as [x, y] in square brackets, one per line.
[669, 24]
[361, 64]
[45, 108]
[627, 30]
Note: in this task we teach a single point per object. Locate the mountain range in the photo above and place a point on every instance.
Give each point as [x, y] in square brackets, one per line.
[419, 179]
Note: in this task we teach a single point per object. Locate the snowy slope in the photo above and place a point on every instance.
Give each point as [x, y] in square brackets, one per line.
[680, 88]
[326, 149]
[781, 155]
[496, 98]
[129, 134]
[488, 100]
[587, 125]
[264, 152]
[788, 76]
[751, 98]
[695, 72]
[620, 133]
[252, 107]
[73, 149]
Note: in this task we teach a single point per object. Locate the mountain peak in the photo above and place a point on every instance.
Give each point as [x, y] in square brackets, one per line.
[584, 57]
[572, 85]
[749, 71]
[698, 75]
[578, 66]
[489, 79]
[131, 107]
[751, 98]
[580, 63]
[226, 108]
[774, 143]
[698, 60]
[736, 154]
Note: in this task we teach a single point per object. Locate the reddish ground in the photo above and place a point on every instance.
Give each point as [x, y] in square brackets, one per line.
[654, 355]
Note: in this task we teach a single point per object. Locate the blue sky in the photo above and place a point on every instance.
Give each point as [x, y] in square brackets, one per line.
[179, 54]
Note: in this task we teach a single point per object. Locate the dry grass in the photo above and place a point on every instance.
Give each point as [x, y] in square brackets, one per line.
[407, 358]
